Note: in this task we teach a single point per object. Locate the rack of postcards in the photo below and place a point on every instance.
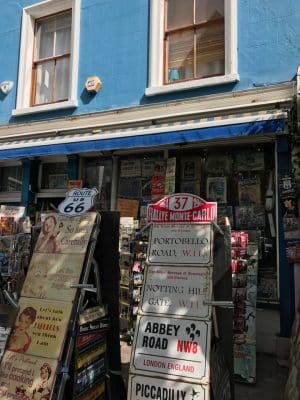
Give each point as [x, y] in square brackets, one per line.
[244, 292]
[15, 248]
[133, 249]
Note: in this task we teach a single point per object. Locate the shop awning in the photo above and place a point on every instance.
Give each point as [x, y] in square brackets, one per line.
[191, 131]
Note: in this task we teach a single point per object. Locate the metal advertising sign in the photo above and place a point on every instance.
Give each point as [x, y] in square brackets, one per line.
[182, 208]
[77, 201]
[172, 347]
[145, 387]
[177, 291]
[184, 244]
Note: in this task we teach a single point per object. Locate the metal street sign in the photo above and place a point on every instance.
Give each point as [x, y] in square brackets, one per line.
[182, 208]
[175, 291]
[144, 387]
[184, 244]
[77, 201]
[172, 347]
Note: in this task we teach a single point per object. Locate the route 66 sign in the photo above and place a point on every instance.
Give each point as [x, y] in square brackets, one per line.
[77, 201]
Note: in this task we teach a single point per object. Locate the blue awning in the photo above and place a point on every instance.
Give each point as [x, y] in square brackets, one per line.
[131, 140]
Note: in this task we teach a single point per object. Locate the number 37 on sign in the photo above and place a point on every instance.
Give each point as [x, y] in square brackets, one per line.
[78, 201]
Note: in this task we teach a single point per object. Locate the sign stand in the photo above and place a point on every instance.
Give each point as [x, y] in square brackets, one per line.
[173, 344]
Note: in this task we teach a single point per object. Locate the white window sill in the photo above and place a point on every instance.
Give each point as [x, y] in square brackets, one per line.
[46, 107]
[199, 83]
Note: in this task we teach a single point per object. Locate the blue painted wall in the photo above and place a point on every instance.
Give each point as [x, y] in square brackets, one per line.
[114, 46]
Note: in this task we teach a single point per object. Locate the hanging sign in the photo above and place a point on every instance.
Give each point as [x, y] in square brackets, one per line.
[177, 292]
[172, 347]
[182, 208]
[145, 387]
[180, 244]
[78, 201]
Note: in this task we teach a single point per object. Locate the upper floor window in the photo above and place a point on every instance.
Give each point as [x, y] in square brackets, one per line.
[49, 43]
[51, 62]
[192, 44]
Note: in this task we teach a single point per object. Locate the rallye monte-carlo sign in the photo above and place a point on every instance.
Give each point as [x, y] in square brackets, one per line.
[180, 208]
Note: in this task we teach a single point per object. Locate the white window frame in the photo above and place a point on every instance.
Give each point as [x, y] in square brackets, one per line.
[30, 14]
[10, 197]
[156, 58]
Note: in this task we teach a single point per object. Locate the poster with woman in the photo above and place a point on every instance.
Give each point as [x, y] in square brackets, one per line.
[26, 377]
[62, 234]
[40, 327]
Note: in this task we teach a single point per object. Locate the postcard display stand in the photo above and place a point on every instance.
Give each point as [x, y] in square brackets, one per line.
[171, 355]
[36, 361]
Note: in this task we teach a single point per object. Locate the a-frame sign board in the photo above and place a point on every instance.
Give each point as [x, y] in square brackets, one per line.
[172, 342]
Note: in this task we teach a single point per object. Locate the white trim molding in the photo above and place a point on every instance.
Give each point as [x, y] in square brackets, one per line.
[30, 14]
[155, 84]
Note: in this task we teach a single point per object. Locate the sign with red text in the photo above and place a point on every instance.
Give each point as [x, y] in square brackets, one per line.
[144, 387]
[172, 347]
[40, 327]
[177, 291]
[25, 377]
[184, 244]
[182, 208]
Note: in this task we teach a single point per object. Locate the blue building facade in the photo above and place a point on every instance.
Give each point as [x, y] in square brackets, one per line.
[105, 83]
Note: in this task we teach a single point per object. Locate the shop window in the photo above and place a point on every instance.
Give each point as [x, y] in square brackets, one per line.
[49, 43]
[192, 44]
[54, 175]
[11, 178]
[98, 174]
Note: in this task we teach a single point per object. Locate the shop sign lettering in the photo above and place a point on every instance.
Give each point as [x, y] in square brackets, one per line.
[180, 244]
[172, 347]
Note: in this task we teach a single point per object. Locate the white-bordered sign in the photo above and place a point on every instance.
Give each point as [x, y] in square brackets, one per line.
[186, 244]
[172, 347]
[77, 201]
[144, 387]
[175, 291]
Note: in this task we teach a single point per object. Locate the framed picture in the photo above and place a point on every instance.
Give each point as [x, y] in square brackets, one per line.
[249, 191]
[58, 181]
[190, 168]
[219, 164]
[249, 161]
[217, 189]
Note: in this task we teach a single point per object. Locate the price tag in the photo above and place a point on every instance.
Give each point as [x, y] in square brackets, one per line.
[78, 201]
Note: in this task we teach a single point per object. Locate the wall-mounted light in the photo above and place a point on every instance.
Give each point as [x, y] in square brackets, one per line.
[6, 86]
[93, 84]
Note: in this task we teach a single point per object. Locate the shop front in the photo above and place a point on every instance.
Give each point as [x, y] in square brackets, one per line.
[235, 159]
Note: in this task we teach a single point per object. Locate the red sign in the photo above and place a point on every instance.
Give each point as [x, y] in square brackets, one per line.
[182, 207]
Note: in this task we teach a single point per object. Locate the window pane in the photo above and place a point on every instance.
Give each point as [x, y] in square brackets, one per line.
[207, 10]
[180, 56]
[11, 179]
[180, 13]
[63, 34]
[54, 175]
[44, 82]
[45, 39]
[210, 51]
[62, 79]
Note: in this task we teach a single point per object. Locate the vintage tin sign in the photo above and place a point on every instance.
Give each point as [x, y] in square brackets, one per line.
[182, 208]
[184, 244]
[175, 291]
[144, 387]
[172, 347]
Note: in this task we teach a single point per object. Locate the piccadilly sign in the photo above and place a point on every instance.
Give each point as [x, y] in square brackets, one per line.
[182, 208]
